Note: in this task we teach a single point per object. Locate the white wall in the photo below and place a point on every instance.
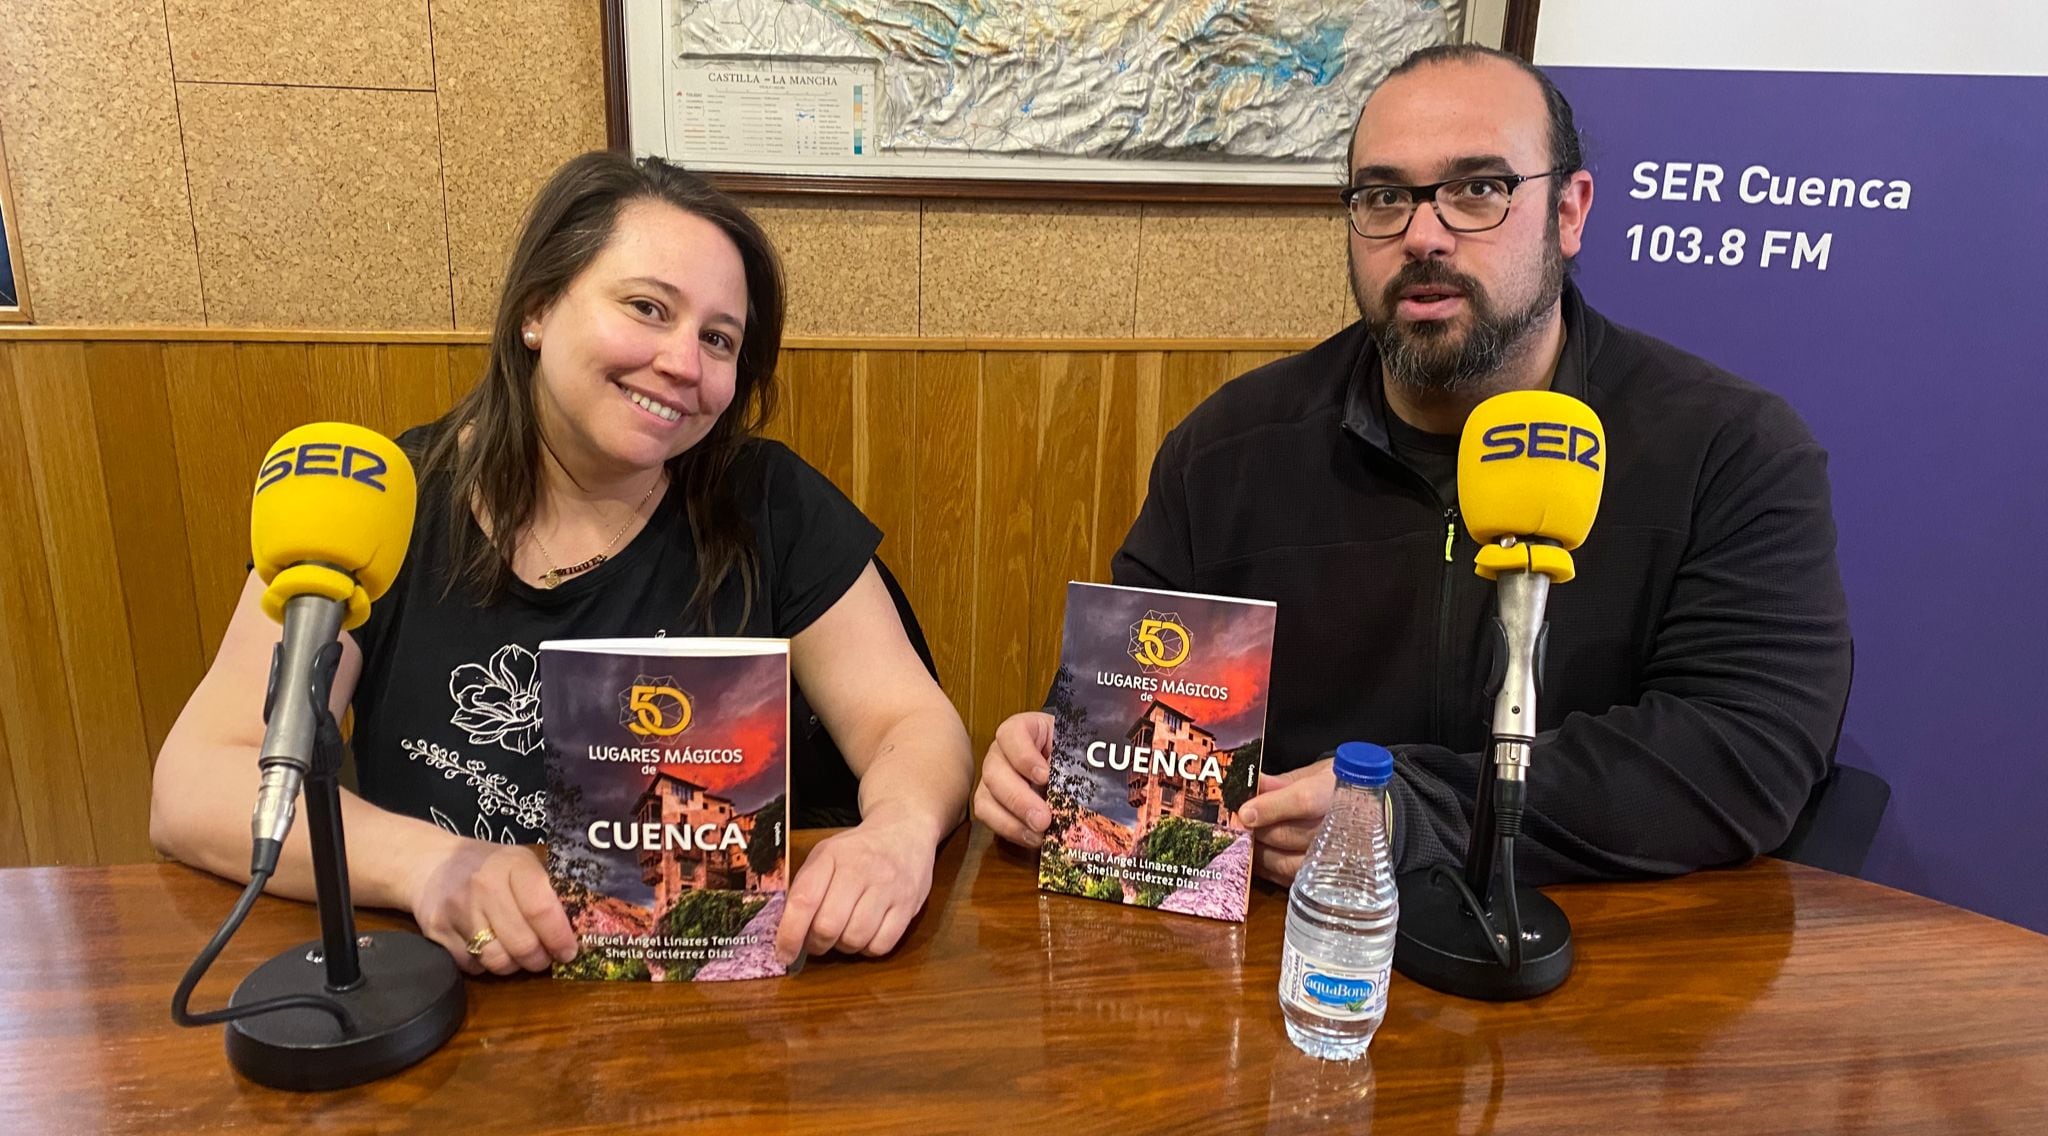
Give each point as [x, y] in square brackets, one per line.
[1963, 37]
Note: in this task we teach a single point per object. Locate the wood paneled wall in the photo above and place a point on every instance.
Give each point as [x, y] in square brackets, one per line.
[998, 471]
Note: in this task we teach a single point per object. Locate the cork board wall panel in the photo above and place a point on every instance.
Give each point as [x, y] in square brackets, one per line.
[1007, 268]
[1209, 270]
[98, 176]
[851, 265]
[317, 207]
[356, 43]
[521, 89]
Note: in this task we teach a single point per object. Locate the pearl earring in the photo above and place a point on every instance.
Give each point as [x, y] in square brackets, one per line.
[532, 338]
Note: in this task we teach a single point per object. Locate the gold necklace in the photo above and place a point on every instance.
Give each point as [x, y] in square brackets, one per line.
[556, 574]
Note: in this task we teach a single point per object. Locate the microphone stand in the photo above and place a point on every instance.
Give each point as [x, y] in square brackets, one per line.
[344, 1009]
[1456, 933]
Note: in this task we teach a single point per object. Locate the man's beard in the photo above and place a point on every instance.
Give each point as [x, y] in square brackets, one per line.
[1431, 355]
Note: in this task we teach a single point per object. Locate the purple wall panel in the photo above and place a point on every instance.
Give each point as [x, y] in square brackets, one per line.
[1919, 355]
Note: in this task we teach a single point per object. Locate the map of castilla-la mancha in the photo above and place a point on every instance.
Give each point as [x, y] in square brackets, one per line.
[1252, 80]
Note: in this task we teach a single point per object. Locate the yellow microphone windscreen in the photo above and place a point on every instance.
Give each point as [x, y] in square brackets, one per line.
[331, 516]
[1531, 464]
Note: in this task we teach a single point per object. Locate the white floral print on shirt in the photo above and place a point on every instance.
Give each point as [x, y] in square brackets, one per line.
[500, 702]
[497, 703]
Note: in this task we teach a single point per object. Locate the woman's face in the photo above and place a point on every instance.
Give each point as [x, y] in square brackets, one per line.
[639, 356]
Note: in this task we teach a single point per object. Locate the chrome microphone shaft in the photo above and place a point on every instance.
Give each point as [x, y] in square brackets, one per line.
[291, 720]
[1522, 597]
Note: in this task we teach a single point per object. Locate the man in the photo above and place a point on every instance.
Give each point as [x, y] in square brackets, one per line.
[1699, 663]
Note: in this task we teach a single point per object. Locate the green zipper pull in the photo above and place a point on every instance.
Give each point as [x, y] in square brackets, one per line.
[1450, 536]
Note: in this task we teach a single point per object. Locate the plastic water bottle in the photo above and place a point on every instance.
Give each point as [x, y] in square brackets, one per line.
[1341, 914]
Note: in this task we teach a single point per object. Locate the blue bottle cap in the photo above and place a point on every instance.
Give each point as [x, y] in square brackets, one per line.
[1363, 763]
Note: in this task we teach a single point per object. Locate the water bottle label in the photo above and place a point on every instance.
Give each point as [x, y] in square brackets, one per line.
[1346, 995]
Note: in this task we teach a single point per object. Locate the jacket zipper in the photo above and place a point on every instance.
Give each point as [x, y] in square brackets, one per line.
[1443, 630]
[1443, 610]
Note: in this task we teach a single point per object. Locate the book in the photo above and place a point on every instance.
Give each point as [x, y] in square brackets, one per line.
[1159, 720]
[668, 793]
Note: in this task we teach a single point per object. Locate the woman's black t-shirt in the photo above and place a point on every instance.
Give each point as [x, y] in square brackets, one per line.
[447, 709]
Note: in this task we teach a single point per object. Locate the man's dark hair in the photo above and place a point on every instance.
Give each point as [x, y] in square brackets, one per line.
[1567, 151]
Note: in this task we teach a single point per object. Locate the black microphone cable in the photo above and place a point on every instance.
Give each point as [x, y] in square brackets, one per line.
[1508, 798]
[1507, 814]
[180, 1001]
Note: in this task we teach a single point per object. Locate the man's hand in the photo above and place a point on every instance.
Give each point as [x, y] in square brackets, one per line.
[1285, 815]
[1011, 796]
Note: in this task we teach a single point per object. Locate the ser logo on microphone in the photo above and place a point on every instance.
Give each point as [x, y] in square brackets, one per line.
[1552, 440]
[328, 459]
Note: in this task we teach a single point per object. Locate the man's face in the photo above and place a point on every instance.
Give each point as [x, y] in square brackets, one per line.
[1449, 309]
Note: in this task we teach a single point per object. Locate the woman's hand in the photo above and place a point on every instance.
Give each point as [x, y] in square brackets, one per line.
[500, 888]
[858, 890]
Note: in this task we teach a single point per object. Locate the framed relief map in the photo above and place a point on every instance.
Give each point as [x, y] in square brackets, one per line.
[1249, 100]
[13, 290]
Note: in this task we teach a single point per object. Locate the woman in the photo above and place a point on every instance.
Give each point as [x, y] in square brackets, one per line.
[602, 480]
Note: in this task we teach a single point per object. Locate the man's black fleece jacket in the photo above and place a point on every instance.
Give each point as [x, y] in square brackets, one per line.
[1698, 665]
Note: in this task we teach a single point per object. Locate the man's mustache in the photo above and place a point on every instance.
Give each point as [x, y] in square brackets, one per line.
[1428, 272]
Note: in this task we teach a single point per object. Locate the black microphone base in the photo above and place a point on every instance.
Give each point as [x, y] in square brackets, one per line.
[410, 1000]
[1440, 944]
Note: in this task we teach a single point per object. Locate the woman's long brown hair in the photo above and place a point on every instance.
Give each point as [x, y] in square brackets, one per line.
[489, 446]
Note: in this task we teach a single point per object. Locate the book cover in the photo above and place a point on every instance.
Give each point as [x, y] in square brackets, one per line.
[1159, 718]
[668, 785]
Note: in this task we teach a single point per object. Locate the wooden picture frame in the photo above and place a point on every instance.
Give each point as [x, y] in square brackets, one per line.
[14, 309]
[1518, 35]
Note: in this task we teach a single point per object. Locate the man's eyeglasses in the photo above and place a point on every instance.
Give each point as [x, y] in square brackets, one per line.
[1463, 205]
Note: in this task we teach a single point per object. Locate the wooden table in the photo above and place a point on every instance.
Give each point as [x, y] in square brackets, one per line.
[1772, 998]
